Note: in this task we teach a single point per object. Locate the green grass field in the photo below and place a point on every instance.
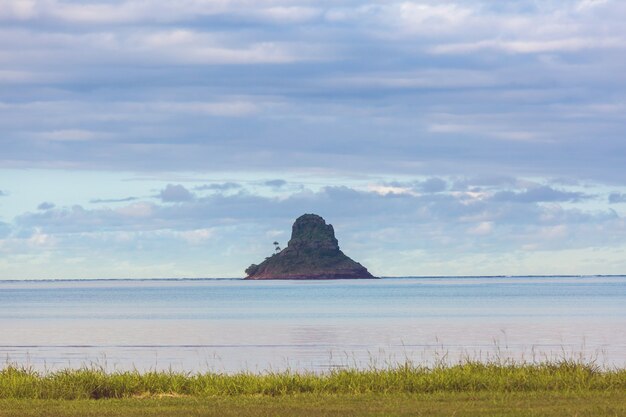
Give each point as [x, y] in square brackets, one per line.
[548, 404]
[470, 389]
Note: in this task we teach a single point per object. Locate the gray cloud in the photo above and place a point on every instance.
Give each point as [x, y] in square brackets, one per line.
[2, 193]
[433, 185]
[446, 220]
[617, 198]
[275, 183]
[175, 193]
[113, 200]
[224, 186]
[566, 181]
[5, 230]
[540, 194]
[485, 181]
[460, 89]
[430, 185]
[45, 206]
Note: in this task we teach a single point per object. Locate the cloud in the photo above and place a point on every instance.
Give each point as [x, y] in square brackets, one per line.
[392, 188]
[615, 198]
[175, 193]
[45, 206]
[208, 85]
[483, 228]
[113, 200]
[197, 236]
[2, 193]
[531, 47]
[278, 183]
[421, 79]
[192, 47]
[452, 210]
[67, 135]
[432, 185]
[224, 108]
[134, 212]
[539, 194]
[223, 186]
[370, 224]
[486, 181]
[5, 230]
[136, 12]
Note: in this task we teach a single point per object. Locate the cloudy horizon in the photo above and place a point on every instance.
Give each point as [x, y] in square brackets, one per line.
[151, 139]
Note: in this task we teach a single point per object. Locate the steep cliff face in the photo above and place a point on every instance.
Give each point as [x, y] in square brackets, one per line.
[312, 253]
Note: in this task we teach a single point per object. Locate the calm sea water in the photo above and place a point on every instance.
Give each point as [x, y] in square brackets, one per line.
[234, 325]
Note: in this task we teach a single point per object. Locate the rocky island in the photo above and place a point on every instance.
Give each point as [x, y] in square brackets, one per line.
[312, 253]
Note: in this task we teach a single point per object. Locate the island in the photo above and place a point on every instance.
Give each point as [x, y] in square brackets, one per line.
[312, 253]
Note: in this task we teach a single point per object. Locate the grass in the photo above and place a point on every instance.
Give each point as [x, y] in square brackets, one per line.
[564, 388]
[470, 377]
[502, 404]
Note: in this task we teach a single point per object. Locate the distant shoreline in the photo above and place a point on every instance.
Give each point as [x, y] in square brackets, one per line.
[298, 280]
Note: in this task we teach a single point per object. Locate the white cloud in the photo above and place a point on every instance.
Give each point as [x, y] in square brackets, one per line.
[419, 17]
[137, 11]
[18, 9]
[553, 232]
[39, 239]
[197, 236]
[10, 76]
[189, 46]
[481, 229]
[531, 46]
[492, 130]
[404, 18]
[90, 13]
[68, 135]
[51, 51]
[432, 78]
[136, 210]
[583, 5]
[390, 189]
[223, 108]
[292, 14]
[196, 47]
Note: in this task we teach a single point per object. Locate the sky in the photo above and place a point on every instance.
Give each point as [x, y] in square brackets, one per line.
[160, 139]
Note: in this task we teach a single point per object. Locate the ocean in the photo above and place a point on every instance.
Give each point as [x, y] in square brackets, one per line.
[231, 325]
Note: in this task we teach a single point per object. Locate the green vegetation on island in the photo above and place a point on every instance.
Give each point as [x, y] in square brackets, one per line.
[311, 253]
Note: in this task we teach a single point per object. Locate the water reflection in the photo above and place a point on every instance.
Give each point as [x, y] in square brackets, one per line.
[228, 326]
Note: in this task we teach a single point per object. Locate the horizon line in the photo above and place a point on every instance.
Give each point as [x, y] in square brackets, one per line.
[346, 279]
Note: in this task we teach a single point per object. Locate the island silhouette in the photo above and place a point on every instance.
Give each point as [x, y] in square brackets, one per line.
[312, 253]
